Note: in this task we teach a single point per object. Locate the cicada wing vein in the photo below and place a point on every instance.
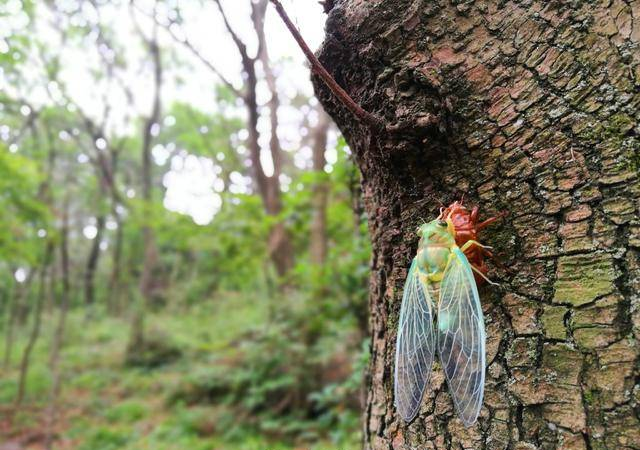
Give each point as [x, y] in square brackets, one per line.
[415, 345]
[461, 337]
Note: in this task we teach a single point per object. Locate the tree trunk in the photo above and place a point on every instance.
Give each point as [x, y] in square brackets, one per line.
[113, 303]
[20, 294]
[35, 329]
[320, 196]
[58, 335]
[92, 265]
[280, 247]
[524, 107]
[150, 251]
[148, 236]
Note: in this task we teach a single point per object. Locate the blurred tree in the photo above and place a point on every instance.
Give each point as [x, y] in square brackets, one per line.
[320, 190]
[268, 186]
[19, 243]
[150, 253]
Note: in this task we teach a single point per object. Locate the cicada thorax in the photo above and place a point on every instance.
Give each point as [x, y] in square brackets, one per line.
[434, 251]
[431, 265]
[432, 260]
[436, 240]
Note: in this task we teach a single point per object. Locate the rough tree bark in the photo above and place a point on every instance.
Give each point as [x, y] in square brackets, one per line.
[528, 107]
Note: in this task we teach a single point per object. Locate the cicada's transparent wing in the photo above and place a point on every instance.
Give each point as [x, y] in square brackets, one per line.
[415, 346]
[461, 337]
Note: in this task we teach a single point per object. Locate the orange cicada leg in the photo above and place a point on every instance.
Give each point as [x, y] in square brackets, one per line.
[491, 220]
[466, 226]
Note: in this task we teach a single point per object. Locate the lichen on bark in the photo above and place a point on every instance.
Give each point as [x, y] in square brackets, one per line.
[529, 107]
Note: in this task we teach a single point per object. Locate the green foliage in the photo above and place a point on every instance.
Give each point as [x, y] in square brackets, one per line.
[237, 253]
[230, 356]
[155, 349]
[276, 381]
[105, 439]
[126, 412]
[202, 134]
[38, 385]
[23, 214]
[236, 368]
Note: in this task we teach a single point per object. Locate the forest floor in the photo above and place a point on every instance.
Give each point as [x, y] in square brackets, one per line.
[107, 405]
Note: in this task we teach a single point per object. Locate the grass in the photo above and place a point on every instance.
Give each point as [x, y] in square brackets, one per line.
[106, 405]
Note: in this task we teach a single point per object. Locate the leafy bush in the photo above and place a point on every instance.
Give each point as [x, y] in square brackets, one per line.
[277, 384]
[126, 412]
[105, 439]
[154, 350]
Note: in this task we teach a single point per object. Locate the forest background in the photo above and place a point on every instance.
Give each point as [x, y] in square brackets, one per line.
[183, 247]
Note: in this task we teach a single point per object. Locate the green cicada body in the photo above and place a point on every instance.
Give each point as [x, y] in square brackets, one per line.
[440, 289]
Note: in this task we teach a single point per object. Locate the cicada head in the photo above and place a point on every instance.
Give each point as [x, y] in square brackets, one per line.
[437, 231]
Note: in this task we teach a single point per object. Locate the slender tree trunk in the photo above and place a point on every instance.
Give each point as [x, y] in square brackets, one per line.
[21, 292]
[7, 296]
[9, 319]
[114, 280]
[92, 264]
[58, 336]
[525, 107]
[280, 246]
[150, 255]
[320, 194]
[148, 238]
[35, 329]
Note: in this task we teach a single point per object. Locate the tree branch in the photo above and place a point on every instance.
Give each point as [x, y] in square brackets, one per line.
[189, 46]
[257, 17]
[317, 67]
[185, 42]
[242, 48]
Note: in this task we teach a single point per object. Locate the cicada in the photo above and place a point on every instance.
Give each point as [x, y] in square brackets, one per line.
[441, 310]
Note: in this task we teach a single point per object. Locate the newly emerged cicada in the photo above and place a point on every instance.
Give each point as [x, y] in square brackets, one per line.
[441, 310]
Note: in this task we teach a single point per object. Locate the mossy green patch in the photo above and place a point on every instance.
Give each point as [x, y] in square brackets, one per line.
[583, 278]
[562, 362]
[595, 337]
[522, 352]
[619, 209]
[553, 322]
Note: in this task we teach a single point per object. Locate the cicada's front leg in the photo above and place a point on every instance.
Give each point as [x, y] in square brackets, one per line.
[490, 220]
[480, 269]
